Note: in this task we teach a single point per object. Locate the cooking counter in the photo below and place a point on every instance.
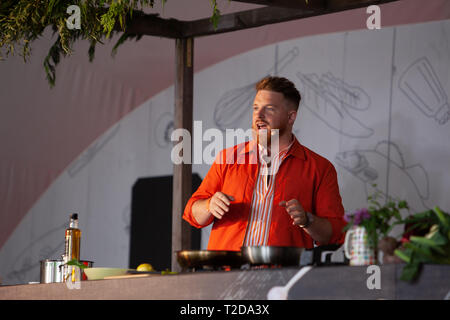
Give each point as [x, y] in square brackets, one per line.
[327, 282]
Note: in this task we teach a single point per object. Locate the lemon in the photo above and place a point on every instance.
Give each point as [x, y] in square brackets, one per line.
[145, 267]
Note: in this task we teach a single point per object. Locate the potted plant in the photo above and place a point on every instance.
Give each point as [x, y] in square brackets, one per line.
[426, 240]
[366, 226]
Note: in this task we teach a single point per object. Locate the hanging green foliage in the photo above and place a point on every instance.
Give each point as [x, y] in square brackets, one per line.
[23, 21]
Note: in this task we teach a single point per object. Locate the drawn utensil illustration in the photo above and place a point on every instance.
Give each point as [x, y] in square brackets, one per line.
[350, 96]
[333, 101]
[422, 87]
[282, 292]
[369, 166]
[163, 129]
[89, 154]
[233, 104]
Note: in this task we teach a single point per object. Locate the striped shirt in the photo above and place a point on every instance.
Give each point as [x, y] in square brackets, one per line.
[262, 201]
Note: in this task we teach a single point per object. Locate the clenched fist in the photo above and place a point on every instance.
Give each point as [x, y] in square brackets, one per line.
[296, 211]
[219, 204]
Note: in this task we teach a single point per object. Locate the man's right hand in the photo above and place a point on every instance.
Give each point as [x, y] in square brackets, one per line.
[219, 204]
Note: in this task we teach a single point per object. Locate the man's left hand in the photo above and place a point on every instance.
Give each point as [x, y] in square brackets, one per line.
[296, 211]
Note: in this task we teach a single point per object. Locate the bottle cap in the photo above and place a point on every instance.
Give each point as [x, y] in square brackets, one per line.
[74, 216]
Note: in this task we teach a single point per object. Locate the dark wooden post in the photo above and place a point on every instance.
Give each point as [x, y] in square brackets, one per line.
[182, 173]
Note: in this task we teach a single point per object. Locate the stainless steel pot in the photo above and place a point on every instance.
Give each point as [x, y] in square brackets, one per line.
[284, 256]
[51, 271]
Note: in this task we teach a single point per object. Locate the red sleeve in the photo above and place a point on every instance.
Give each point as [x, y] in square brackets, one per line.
[329, 204]
[209, 186]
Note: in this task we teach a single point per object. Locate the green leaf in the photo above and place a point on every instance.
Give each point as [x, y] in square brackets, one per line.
[403, 205]
[441, 217]
[421, 216]
[119, 42]
[167, 271]
[397, 215]
[76, 263]
[216, 14]
[376, 203]
[428, 243]
[402, 255]
[51, 60]
[422, 240]
[91, 51]
[410, 272]
[439, 239]
[418, 250]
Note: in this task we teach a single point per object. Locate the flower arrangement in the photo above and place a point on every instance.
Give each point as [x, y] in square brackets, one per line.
[377, 219]
[425, 238]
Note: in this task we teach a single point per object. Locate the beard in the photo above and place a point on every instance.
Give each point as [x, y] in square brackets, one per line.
[268, 137]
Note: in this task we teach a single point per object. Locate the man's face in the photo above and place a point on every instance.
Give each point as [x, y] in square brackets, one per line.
[272, 111]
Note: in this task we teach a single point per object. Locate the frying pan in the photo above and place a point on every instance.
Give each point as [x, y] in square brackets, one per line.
[209, 258]
[285, 256]
[255, 255]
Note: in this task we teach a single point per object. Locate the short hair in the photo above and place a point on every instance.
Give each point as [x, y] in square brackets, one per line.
[282, 85]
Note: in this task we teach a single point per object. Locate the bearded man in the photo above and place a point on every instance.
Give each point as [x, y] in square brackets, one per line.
[283, 197]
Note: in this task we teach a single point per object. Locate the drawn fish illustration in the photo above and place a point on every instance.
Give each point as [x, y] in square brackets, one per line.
[385, 167]
[333, 101]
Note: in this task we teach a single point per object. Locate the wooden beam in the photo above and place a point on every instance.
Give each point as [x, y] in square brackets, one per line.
[293, 4]
[314, 4]
[183, 118]
[153, 25]
[269, 15]
[277, 11]
[340, 5]
[245, 20]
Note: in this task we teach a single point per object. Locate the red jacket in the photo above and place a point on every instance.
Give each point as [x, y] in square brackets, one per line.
[303, 175]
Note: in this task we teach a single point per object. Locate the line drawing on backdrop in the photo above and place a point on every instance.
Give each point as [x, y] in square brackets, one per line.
[423, 88]
[163, 130]
[334, 102]
[234, 103]
[90, 153]
[24, 264]
[369, 166]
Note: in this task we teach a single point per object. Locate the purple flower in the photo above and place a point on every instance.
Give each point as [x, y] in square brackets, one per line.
[365, 214]
[357, 217]
[360, 215]
[348, 217]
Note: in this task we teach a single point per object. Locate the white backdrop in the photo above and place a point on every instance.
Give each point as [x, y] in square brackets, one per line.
[374, 103]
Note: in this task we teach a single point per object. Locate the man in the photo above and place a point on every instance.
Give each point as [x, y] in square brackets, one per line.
[290, 198]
